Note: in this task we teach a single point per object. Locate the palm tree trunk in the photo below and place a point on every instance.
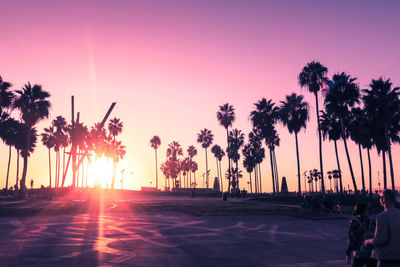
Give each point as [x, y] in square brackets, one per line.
[220, 175]
[113, 176]
[17, 178]
[272, 171]
[49, 168]
[216, 160]
[155, 151]
[391, 166]
[348, 157]
[251, 190]
[23, 179]
[8, 166]
[338, 165]
[298, 162]
[255, 181]
[369, 172]
[362, 168]
[320, 144]
[207, 182]
[384, 170]
[276, 172]
[229, 162]
[260, 177]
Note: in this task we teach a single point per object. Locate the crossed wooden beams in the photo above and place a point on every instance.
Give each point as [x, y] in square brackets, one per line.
[86, 152]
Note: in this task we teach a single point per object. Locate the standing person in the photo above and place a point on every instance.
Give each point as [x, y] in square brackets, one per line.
[361, 228]
[386, 240]
[31, 183]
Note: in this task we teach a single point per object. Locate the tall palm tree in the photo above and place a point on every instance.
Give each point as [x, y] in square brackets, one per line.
[357, 134]
[192, 151]
[330, 128]
[264, 118]
[32, 102]
[205, 138]
[342, 95]
[273, 141]
[226, 117]
[218, 154]
[313, 76]
[294, 115]
[382, 106]
[155, 142]
[48, 140]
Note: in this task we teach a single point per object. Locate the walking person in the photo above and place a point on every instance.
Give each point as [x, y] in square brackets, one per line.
[386, 240]
[361, 228]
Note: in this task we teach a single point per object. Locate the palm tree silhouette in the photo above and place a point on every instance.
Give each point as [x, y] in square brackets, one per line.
[236, 140]
[330, 128]
[343, 94]
[382, 107]
[192, 151]
[115, 127]
[174, 150]
[6, 96]
[273, 141]
[249, 162]
[258, 153]
[48, 140]
[118, 153]
[61, 140]
[155, 142]
[205, 138]
[263, 118]
[218, 154]
[313, 76]
[9, 130]
[226, 117]
[32, 102]
[294, 115]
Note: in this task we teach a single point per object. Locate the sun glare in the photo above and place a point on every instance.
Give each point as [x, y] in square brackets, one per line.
[100, 172]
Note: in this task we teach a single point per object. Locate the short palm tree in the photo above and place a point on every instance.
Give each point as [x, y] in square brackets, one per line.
[205, 138]
[218, 154]
[258, 153]
[236, 141]
[192, 151]
[249, 162]
[342, 95]
[48, 141]
[155, 142]
[9, 129]
[115, 127]
[226, 117]
[294, 115]
[313, 76]
[118, 153]
[330, 128]
[32, 102]
[273, 141]
[382, 106]
[174, 150]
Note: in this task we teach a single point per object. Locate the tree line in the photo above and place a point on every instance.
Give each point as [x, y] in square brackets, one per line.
[370, 117]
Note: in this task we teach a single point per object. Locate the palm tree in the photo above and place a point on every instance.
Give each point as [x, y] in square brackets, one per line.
[330, 127]
[263, 118]
[359, 136]
[61, 140]
[343, 94]
[218, 154]
[249, 162]
[32, 102]
[6, 96]
[236, 140]
[174, 150]
[226, 117]
[313, 76]
[192, 151]
[294, 115]
[382, 106]
[194, 169]
[118, 153]
[115, 127]
[258, 153]
[273, 141]
[48, 140]
[155, 142]
[205, 138]
[9, 128]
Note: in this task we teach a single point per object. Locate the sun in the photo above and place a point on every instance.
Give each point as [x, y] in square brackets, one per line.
[100, 172]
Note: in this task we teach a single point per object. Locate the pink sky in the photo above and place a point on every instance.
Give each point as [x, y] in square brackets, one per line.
[170, 64]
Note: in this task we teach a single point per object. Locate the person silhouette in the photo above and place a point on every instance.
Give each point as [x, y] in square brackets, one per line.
[386, 240]
[31, 183]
